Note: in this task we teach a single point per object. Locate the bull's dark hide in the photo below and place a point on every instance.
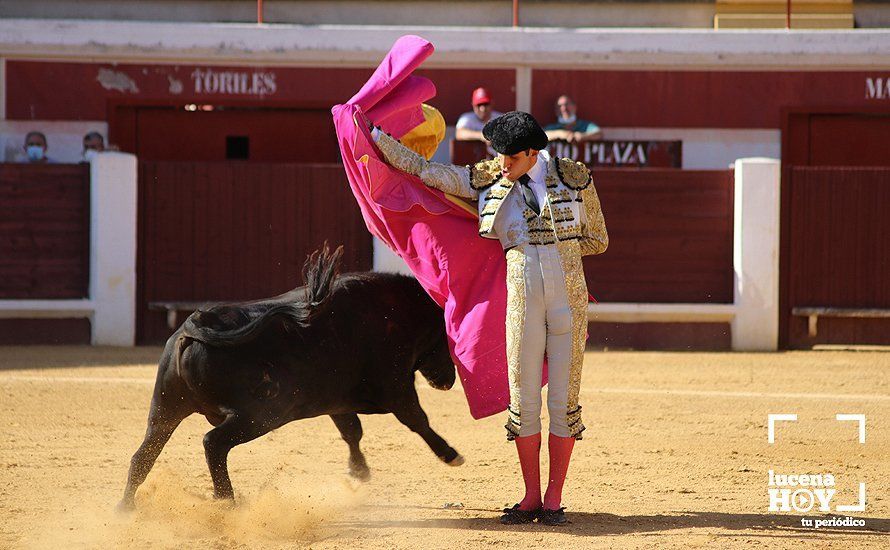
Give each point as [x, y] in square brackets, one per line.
[338, 346]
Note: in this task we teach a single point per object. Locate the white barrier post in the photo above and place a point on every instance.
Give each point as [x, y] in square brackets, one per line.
[386, 260]
[113, 248]
[755, 326]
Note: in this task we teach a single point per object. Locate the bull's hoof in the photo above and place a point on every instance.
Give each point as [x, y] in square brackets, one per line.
[126, 506]
[361, 473]
[456, 461]
[224, 496]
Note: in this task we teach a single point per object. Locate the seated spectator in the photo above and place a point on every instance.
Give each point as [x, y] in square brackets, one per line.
[93, 143]
[568, 126]
[469, 125]
[35, 148]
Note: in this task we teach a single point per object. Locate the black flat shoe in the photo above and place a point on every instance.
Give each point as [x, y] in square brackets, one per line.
[553, 517]
[515, 516]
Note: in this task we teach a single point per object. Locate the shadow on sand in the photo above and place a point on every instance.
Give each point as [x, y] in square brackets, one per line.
[601, 524]
[71, 357]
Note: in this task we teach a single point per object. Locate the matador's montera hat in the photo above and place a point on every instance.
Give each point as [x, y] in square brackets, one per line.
[513, 132]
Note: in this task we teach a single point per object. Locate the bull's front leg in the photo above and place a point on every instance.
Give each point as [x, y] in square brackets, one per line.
[410, 413]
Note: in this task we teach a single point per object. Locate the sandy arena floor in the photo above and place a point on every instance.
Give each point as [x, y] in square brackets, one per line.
[675, 455]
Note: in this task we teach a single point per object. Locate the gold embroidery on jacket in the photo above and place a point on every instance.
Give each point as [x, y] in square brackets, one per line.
[516, 303]
[538, 229]
[400, 156]
[562, 196]
[486, 223]
[595, 238]
[538, 224]
[541, 228]
[559, 197]
[576, 292]
[551, 180]
[448, 178]
[490, 207]
[568, 232]
[497, 193]
[561, 214]
[574, 174]
[484, 174]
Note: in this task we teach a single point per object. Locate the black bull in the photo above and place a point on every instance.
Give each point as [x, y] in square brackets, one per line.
[338, 346]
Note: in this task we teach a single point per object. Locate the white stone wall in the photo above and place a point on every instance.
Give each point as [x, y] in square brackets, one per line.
[387, 261]
[113, 214]
[755, 326]
[708, 148]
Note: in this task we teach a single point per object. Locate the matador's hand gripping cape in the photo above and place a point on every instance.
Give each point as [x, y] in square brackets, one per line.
[435, 235]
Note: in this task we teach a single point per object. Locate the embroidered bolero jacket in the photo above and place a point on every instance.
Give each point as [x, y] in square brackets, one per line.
[571, 210]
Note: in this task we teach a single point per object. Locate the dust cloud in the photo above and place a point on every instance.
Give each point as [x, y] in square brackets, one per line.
[284, 509]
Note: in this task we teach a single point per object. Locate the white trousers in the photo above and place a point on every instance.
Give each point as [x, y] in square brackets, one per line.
[546, 315]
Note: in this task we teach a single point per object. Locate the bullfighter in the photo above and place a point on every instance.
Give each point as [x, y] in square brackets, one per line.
[546, 214]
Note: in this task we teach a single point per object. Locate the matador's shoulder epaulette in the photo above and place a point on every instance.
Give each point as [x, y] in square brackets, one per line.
[572, 173]
[484, 173]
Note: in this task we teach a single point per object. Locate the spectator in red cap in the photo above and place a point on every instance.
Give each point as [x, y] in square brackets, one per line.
[469, 125]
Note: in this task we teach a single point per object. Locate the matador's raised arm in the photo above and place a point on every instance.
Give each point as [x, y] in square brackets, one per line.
[449, 178]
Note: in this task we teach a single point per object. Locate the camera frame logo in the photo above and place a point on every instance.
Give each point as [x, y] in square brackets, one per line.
[803, 493]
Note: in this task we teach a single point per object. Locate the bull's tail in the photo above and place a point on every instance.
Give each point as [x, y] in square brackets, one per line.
[319, 273]
[182, 342]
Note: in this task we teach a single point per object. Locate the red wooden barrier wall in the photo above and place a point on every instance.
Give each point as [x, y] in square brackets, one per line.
[839, 252]
[230, 231]
[221, 231]
[44, 231]
[468, 152]
[670, 233]
[670, 236]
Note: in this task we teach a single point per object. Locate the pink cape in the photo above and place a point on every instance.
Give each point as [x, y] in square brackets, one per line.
[464, 273]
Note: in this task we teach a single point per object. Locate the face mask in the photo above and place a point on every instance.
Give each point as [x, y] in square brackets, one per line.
[89, 154]
[568, 120]
[35, 152]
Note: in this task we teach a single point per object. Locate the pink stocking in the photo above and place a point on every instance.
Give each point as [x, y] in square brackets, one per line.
[529, 448]
[560, 449]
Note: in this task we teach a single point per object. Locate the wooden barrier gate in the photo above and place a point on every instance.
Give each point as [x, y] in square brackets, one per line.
[44, 247]
[233, 231]
[228, 231]
[835, 260]
[839, 264]
[670, 241]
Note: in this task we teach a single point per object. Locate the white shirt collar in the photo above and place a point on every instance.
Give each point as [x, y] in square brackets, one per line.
[538, 172]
